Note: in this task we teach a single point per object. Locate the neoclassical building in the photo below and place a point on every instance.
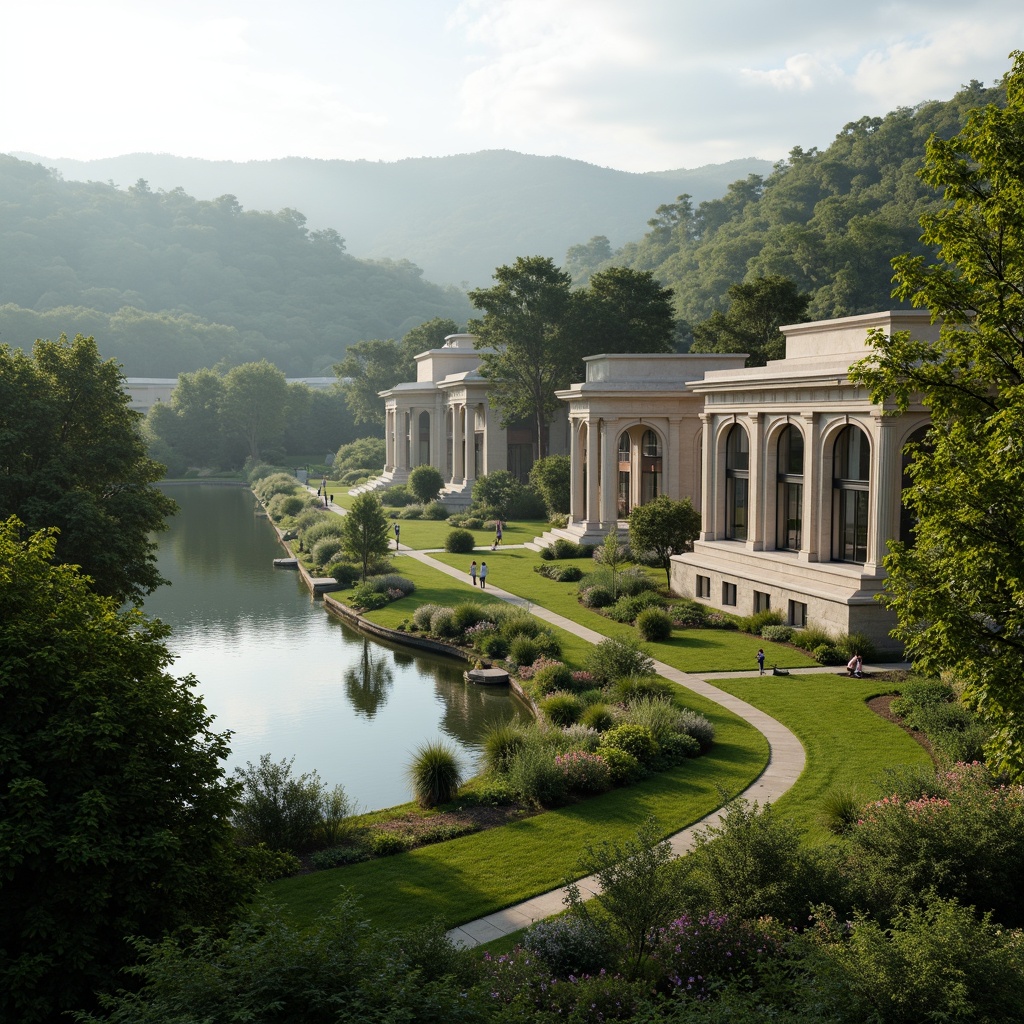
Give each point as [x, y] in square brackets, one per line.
[801, 482]
[634, 433]
[444, 419]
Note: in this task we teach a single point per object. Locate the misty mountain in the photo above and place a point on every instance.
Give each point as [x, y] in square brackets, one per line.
[456, 217]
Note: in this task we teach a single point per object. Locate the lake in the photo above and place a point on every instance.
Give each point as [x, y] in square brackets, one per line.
[292, 681]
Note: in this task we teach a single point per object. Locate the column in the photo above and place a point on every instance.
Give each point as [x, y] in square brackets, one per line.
[609, 476]
[401, 436]
[756, 484]
[886, 479]
[575, 472]
[672, 463]
[707, 479]
[458, 444]
[389, 440]
[814, 490]
[471, 443]
[593, 448]
[414, 434]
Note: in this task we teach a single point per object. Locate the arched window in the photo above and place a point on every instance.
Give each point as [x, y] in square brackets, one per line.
[908, 521]
[851, 472]
[423, 457]
[790, 490]
[650, 466]
[737, 466]
[625, 465]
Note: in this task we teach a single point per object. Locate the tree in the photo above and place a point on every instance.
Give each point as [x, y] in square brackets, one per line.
[957, 591]
[629, 311]
[757, 309]
[365, 531]
[72, 456]
[114, 807]
[583, 260]
[526, 323]
[664, 526]
[497, 494]
[196, 400]
[550, 477]
[370, 367]
[425, 482]
[255, 404]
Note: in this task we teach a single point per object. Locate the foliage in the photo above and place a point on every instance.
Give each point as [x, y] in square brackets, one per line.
[287, 813]
[664, 526]
[114, 807]
[254, 403]
[501, 744]
[623, 768]
[553, 677]
[459, 542]
[365, 533]
[634, 739]
[956, 590]
[637, 893]
[522, 650]
[598, 716]
[569, 945]
[534, 776]
[73, 458]
[435, 774]
[654, 624]
[397, 497]
[425, 482]
[594, 595]
[959, 834]
[436, 510]
[550, 477]
[499, 492]
[585, 773]
[612, 659]
[757, 309]
[363, 453]
[626, 609]
[562, 548]
[777, 633]
[562, 709]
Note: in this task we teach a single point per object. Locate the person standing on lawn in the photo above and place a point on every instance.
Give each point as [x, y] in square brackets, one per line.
[472, 573]
[760, 660]
[483, 575]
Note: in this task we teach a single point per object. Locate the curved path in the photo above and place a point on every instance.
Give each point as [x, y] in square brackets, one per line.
[785, 763]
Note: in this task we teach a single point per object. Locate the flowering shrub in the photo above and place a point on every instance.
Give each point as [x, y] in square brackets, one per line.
[584, 680]
[692, 953]
[528, 672]
[584, 773]
[569, 945]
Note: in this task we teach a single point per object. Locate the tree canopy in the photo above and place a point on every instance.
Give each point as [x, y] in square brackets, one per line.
[72, 456]
[664, 526]
[365, 531]
[114, 806]
[957, 591]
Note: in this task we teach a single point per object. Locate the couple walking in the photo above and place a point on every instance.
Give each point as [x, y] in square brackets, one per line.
[481, 572]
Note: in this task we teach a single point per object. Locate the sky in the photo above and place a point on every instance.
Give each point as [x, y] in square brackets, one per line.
[638, 85]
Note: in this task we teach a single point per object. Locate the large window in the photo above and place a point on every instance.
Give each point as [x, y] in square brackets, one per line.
[625, 465]
[423, 451]
[790, 490]
[650, 466]
[908, 521]
[851, 471]
[737, 467]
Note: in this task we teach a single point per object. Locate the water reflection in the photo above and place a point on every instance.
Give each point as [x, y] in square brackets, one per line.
[290, 680]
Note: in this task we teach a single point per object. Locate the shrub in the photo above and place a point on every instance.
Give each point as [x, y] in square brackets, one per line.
[598, 716]
[654, 624]
[826, 654]
[409, 512]
[756, 622]
[494, 646]
[562, 548]
[553, 677]
[697, 726]
[840, 809]
[677, 748]
[261, 470]
[623, 768]
[443, 624]
[810, 637]
[499, 492]
[276, 483]
[468, 614]
[632, 688]
[656, 714]
[368, 599]
[626, 609]
[267, 865]
[435, 510]
[387, 844]
[577, 737]
[634, 739]
[535, 777]
[569, 945]
[344, 572]
[560, 573]
[329, 526]
[283, 812]
[435, 774]
[777, 634]
[316, 514]
[459, 542]
[595, 596]
[326, 550]
[337, 856]
[281, 505]
[849, 644]
[352, 477]
[688, 612]
[585, 773]
[501, 744]
[563, 709]
[512, 620]
[397, 497]
[390, 581]
[612, 659]
[425, 482]
[522, 650]
[548, 644]
[422, 616]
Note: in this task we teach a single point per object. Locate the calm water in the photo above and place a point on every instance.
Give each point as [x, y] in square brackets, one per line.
[290, 680]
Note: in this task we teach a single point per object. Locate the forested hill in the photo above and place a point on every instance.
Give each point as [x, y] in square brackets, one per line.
[457, 217]
[831, 221]
[168, 283]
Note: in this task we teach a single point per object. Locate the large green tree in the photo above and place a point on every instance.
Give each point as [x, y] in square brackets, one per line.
[628, 311]
[114, 805]
[757, 309]
[528, 324]
[255, 404]
[666, 527]
[72, 456]
[365, 531]
[958, 591]
[370, 367]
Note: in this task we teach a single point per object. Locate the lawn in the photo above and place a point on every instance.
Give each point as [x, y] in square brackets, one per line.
[847, 744]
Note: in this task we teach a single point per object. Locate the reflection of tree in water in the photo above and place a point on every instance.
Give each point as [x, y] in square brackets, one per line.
[470, 709]
[368, 682]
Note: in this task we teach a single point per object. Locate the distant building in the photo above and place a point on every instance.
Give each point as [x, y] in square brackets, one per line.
[145, 392]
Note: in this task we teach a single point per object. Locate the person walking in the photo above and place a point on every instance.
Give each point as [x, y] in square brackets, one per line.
[472, 573]
[497, 534]
[483, 575]
[760, 660]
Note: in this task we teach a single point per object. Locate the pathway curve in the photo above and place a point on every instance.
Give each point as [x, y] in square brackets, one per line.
[785, 763]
